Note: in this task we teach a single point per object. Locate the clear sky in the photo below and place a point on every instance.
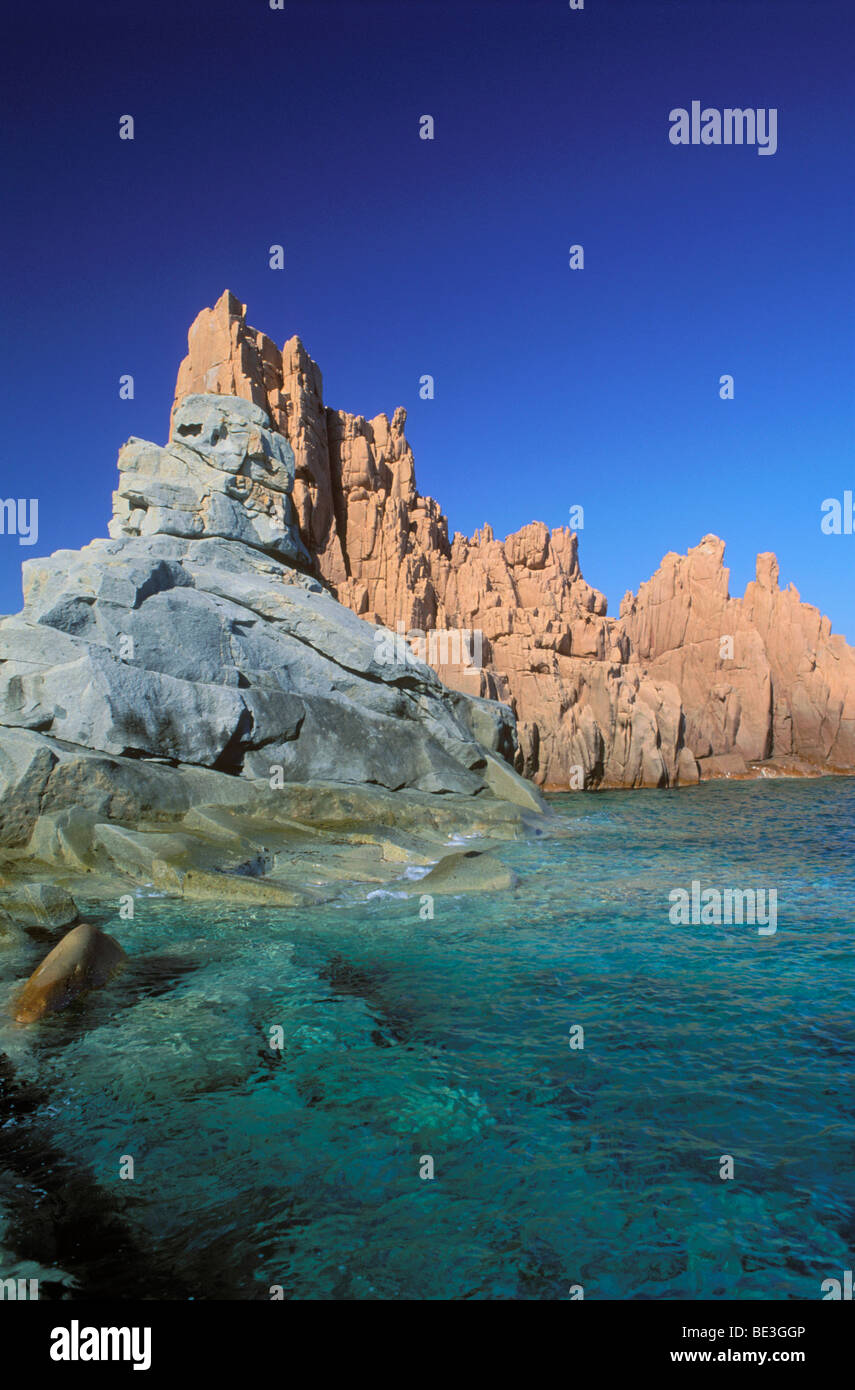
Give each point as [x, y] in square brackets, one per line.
[403, 256]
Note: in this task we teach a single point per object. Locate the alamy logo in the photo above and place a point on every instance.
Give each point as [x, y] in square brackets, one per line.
[710, 907]
[440, 647]
[17, 1290]
[76, 1343]
[838, 518]
[13, 519]
[836, 1289]
[732, 126]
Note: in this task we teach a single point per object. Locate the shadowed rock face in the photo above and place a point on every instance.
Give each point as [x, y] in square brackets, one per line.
[650, 699]
[85, 959]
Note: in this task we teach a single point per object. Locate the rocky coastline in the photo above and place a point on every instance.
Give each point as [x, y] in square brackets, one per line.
[214, 703]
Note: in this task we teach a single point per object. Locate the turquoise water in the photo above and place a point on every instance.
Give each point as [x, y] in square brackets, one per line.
[449, 1037]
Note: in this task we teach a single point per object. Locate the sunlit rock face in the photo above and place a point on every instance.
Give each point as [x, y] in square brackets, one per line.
[761, 678]
[653, 698]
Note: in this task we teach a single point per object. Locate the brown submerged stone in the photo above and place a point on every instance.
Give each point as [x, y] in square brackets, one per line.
[84, 959]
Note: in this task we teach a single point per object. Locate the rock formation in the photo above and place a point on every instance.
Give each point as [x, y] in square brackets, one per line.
[762, 679]
[654, 698]
[85, 959]
[160, 684]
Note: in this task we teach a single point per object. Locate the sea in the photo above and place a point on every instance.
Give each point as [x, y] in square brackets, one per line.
[550, 1093]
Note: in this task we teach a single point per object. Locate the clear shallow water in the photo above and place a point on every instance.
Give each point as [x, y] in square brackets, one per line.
[449, 1037]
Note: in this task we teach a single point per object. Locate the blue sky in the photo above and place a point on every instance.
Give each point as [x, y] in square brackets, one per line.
[403, 257]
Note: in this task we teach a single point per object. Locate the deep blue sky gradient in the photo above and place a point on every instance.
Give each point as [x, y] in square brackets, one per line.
[405, 256]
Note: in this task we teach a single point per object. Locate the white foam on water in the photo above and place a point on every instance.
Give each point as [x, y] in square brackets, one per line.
[416, 871]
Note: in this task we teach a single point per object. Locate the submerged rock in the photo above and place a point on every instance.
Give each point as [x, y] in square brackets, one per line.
[11, 934]
[85, 959]
[39, 905]
[467, 871]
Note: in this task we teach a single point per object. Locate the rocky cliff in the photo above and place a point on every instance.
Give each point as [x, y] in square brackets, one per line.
[763, 680]
[687, 682]
[179, 698]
